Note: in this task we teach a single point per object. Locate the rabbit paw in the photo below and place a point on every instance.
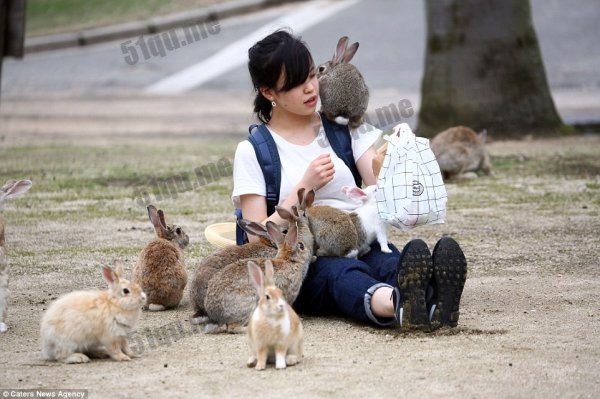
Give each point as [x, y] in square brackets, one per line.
[340, 120]
[120, 357]
[199, 320]
[156, 308]
[386, 249]
[291, 360]
[77, 358]
[251, 361]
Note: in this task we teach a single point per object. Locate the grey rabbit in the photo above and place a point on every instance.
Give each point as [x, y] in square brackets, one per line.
[461, 153]
[342, 89]
[211, 264]
[230, 298]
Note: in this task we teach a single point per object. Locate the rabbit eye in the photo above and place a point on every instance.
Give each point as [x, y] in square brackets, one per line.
[301, 246]
[322, 69]
[178, 231]
[268, 297]
[126, 291]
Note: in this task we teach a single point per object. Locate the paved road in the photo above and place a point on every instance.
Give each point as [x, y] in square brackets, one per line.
[391, 33]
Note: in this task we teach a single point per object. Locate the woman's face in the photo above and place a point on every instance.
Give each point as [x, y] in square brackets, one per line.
[301, 100]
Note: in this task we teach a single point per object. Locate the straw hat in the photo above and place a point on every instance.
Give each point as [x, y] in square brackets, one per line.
[220, 235]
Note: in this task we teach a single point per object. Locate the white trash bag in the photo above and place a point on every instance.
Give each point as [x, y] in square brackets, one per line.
[410, 188]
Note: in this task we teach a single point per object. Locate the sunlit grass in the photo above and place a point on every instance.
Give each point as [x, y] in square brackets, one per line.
[55, 16]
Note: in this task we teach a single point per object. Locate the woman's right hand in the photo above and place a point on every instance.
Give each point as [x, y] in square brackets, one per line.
[319, 172]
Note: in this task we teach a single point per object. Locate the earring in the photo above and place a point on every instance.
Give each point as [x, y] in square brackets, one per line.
[273, 104]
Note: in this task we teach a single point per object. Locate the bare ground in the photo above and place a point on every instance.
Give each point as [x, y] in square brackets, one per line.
[530, 314]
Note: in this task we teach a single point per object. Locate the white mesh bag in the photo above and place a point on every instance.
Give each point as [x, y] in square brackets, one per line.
[410, 188]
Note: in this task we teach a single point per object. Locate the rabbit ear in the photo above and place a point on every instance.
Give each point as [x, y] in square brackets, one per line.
[354, 192]
[340, 50]
[285, 214]
[309, 198]
[482, 135]
[301, 195]
[295, 211]
[14, 189]
[156, 220]
[109, 275]
[253, 228]
[291, 238]
[255, 276]
[350, 51]
[161, 215]
[274, 233]
[119, 269]
[269, 272]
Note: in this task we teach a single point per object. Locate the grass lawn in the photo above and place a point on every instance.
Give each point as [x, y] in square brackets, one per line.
[56, 16]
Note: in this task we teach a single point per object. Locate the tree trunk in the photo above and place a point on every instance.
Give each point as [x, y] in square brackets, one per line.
[483, 69]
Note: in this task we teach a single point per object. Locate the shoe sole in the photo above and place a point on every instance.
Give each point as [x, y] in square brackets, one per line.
[415, 269]
[450, 274]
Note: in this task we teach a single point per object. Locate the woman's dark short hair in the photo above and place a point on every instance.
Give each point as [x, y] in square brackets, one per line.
[267, 59]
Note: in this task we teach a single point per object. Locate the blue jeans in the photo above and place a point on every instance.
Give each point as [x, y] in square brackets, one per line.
[338, 286]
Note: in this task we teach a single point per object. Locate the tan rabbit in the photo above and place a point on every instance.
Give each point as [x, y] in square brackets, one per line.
[209, 265]
[274, 330]
[461, 153]
[94, 323]
[160, 269]
[230, 297]
[11, 189]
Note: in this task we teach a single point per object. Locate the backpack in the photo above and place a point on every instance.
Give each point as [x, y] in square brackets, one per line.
[268, 158]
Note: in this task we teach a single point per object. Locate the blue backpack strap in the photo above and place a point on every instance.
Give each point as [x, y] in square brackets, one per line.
[341, 143]
[270, 164]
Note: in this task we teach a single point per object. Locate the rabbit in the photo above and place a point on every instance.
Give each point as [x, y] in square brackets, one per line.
[369, 226]
[11, 189]
[342, 89]
[461, 153]
[263, 248]
[94, 323]
[343, 234]
[230, 297]
[160, 269]
[274, 330]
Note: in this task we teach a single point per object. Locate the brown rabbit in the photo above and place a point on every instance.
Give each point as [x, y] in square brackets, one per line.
[461, 153]
[230, 297]
[11, 189]
[274, 330]
[160, 269]
[211, 264]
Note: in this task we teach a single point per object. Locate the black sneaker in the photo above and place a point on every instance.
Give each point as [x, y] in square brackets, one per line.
[449, 276]
[414, 272]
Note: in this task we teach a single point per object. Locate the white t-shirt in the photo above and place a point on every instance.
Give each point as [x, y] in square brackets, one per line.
[248, 177]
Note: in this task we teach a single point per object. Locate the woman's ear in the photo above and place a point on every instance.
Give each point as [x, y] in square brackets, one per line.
[267, 93]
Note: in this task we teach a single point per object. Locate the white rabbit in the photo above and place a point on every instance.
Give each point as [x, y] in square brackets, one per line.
[11, 189]
[274, 330]
[369, 225]
[93, 322]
